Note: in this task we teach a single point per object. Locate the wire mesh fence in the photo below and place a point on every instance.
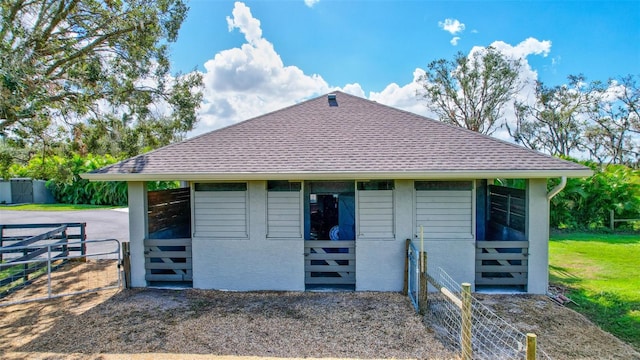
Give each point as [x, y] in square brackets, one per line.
[492, 337]
[52, 263]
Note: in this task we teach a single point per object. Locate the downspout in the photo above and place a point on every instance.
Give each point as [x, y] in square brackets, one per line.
[557, 188]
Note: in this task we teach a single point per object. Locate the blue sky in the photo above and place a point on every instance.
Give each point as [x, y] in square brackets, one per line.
[258, 56]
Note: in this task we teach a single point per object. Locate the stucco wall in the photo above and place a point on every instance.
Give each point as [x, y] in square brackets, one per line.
[256, 263]
[137, 192]
[538, 228]
[380, 262]
[259, 262]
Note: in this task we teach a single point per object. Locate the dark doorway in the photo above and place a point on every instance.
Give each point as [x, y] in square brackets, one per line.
[330, 235]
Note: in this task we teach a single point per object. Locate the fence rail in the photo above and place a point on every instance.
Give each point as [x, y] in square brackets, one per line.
[613, 220]
[502, 262]
[22, 234]
[50, 270]
[459, 320]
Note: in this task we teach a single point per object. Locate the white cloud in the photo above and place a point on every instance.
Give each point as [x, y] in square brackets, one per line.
[245, 22]
[454, 40]
[353, 89]
[453, 26]
[404, 97]
[310, 3]
[250, 80]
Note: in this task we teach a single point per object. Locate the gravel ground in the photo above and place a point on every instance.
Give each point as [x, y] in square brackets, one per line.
[198, 324]
[259, 324]
[562, 333]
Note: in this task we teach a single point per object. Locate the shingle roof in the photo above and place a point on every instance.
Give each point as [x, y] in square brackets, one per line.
[350, 135]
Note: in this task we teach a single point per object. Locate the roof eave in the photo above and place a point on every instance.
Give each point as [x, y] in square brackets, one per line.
[347, 175]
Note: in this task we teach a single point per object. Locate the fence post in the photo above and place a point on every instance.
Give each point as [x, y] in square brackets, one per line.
[422, 298]
[612, 219]
[531, 346]
[126, 265]
[25, 267]
[1, 240]
[467, 350]
[83, 244]
[405, 287]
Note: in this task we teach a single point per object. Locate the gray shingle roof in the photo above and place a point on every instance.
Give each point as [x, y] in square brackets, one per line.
[349, 136]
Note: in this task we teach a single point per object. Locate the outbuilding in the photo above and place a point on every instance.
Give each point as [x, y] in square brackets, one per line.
[324, 193]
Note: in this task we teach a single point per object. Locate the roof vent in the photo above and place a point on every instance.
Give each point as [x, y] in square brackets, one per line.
[332, 100]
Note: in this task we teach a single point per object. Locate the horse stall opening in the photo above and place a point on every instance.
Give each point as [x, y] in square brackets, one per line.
[167, 248]
[502, 244]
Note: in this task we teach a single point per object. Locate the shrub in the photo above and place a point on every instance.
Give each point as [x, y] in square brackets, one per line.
[585, 203]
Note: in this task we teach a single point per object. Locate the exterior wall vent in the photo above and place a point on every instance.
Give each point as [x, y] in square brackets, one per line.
[331, 97]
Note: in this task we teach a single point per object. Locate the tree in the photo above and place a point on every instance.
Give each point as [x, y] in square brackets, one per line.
[71, 61]
[471, 91]
[555, 122]
[613, 134]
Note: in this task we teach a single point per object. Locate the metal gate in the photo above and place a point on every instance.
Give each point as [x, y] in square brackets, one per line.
[330, 263]
[52, 266]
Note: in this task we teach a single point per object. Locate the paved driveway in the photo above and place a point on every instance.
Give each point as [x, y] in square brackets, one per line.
[101, 224]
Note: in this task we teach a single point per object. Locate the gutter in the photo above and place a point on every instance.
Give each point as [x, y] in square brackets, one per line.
[557, 188]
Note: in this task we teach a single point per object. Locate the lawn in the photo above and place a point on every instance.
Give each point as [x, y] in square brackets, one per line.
[54, 207]
[602, 274]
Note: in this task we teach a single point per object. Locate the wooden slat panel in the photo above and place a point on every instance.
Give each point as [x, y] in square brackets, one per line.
[445, 217]
[227, 221]
[348, 280]
[330, 268]
[329, 244]
[501, 256]
[452, 211]
[167, 266]
[330, 256]
[444, 193]
[221, 234]
[221, 214]
[283, 224]
[167, 254]
[501, 244]
[284, 217]
[168, 277]
[167, 242]
[375, 225]
[376, 214]
[501, 281]
[168, 209]
[424, 206]
[502, 268]
[228, 209]
[274, 211]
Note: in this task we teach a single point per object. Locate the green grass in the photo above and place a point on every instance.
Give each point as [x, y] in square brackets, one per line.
[602, 274]
[54, 207]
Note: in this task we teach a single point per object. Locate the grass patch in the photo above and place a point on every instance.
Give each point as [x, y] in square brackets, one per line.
[602, 274]
[56, 207]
